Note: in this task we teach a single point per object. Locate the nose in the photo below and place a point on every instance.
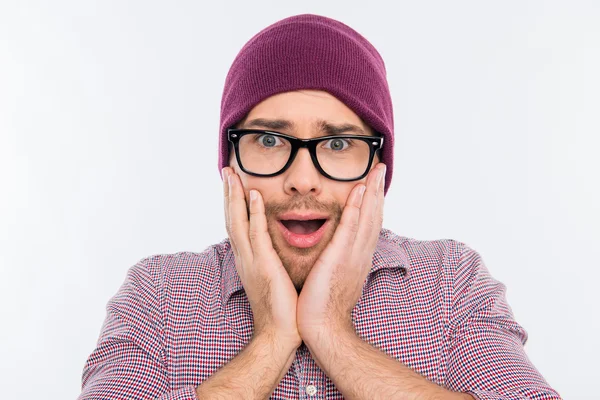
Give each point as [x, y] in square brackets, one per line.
[302, 177]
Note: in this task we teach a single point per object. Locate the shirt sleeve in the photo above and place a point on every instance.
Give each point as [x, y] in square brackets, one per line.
[486, 355]
[129, 359]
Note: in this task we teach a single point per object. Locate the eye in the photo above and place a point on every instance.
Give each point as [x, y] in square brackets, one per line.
[269, 140]
[337, 144]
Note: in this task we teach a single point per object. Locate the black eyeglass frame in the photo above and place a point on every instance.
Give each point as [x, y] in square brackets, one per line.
[234, 135]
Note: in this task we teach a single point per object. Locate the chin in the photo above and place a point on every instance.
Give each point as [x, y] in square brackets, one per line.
[298, 266]
[299, 250]
[298, 262]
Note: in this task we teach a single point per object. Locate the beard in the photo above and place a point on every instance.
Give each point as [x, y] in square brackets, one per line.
[298, 262]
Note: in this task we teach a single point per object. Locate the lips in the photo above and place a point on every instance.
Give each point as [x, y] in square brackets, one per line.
[303, 231]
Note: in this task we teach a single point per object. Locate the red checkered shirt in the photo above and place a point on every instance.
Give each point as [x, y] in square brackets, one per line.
[430, 304]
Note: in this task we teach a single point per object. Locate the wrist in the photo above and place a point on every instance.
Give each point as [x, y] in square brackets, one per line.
[328, 334]
[281, 346]
[328, 344]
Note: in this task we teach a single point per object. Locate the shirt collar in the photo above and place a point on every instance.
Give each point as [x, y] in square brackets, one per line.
[389, 254]
[230, 280]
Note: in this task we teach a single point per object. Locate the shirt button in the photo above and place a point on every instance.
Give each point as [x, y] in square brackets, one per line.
[311, 390]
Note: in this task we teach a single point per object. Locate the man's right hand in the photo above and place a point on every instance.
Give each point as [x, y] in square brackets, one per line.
[270, 291]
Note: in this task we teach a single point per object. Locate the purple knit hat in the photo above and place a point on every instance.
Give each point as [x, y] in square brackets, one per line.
[310, 52]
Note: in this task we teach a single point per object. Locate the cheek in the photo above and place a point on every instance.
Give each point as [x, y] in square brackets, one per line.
[269, 188]
[342, 190]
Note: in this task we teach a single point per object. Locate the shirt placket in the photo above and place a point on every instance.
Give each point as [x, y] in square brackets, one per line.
[311, 380]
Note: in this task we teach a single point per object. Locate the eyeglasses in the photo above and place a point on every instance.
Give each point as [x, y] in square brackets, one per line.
[339, 157]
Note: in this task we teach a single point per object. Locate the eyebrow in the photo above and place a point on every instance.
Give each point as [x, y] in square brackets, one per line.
[323, 126]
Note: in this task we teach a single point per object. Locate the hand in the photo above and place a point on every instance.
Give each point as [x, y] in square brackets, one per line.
[270, 291]
[335, 282]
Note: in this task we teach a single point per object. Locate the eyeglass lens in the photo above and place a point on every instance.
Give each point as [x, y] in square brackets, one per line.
[341, 158]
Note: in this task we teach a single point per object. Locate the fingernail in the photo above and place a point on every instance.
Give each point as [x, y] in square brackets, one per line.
[230, 181]
[253, 195]
[224, 173]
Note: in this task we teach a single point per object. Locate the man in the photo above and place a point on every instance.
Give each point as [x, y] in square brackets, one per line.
[310, 297]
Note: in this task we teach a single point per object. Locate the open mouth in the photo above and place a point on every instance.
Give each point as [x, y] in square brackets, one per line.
[303, 232]
[299, 227]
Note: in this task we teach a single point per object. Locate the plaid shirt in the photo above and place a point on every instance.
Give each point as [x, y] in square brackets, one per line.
[430, 304]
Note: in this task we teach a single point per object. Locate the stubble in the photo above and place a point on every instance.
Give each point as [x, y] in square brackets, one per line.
[298, 262]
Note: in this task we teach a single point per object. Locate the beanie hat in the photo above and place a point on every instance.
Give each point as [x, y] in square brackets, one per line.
[310, 52]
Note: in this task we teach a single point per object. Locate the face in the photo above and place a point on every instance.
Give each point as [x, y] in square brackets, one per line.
[303, 207]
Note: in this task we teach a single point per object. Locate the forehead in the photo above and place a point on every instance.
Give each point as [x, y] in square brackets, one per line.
[305, 112]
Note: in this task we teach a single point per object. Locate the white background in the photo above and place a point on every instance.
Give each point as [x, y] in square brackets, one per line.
[109, 114]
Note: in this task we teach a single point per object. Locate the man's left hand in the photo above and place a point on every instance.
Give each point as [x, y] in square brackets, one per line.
[335, 282]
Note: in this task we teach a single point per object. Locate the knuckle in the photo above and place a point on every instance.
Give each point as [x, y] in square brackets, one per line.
[373, 194]
[371, 223]
[232, 229]
[252, 234]
[353, 226]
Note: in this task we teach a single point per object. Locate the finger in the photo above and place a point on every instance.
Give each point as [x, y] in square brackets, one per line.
[225, 172]
[238, 217]
[381, 198]
[348, 227]
[258, 232]
[378, 215]
[371, 209]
